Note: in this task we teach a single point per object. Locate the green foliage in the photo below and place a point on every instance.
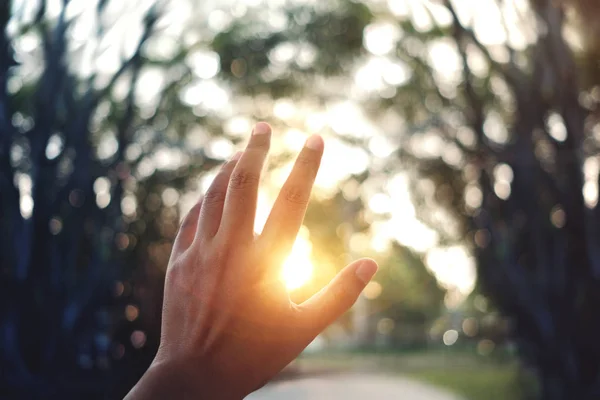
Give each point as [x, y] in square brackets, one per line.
[322, 40]
[411, 294]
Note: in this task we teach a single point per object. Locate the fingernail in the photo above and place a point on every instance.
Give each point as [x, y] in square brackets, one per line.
[261, 128]
[237, 156]
[315, 142]
[365, 271]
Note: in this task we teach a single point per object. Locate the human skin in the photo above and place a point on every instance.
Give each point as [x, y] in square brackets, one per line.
[228, 324]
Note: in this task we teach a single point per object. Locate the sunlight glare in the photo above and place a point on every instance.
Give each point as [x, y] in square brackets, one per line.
[453, 267]
[380, 38]
[298, 269]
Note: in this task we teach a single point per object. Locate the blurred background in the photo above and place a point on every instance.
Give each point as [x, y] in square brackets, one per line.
[462, 143]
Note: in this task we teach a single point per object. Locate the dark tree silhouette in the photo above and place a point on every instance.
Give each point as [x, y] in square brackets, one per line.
[58, 259]
[70, 320]
[534, 237]
[537, 242]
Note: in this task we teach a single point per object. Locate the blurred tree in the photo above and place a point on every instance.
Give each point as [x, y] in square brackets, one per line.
[403, 290]
[91, 170]
[493, 115]
[525, 132]
[492, 110]
[409, 295]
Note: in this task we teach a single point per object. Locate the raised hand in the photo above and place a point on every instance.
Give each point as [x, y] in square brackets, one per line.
[228, 323]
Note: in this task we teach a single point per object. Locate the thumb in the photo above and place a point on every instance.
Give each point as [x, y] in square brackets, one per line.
[338, 296]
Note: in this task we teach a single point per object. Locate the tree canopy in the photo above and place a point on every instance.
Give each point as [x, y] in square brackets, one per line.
[463, 129]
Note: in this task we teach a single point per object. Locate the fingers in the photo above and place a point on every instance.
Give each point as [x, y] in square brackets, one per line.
[240, 202]
[337, 297]
[288, 211]
[214, 199]
[187, 229]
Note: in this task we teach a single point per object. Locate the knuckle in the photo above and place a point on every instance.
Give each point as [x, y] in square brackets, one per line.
[243, 179]
[181, 272]
[339, 295]
[208, 260]
[185, 224]
[186, 229]
[177, 269]
[295, 195]
[215, 260]
[214, 197]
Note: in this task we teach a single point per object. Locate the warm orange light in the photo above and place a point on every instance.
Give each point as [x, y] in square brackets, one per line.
[298, 269]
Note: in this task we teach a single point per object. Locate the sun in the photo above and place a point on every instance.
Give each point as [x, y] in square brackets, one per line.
[297, 269]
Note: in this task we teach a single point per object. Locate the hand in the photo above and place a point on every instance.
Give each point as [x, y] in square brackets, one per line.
[228, 324]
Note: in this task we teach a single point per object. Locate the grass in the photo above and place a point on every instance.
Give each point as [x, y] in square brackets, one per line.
[499, 383]
[461, 372]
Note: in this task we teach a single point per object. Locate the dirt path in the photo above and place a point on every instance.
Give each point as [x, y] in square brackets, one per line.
[351, 387]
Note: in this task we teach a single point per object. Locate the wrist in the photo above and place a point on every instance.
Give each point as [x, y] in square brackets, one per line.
[167, 379]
